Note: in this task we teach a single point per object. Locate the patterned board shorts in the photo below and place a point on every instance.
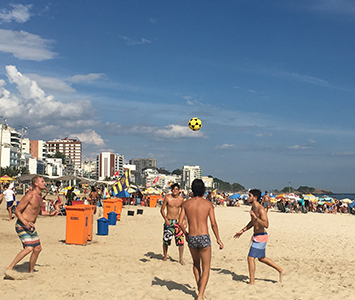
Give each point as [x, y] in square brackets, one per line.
[28, 238]
[173, 230]
[257, 248]
[199, 241]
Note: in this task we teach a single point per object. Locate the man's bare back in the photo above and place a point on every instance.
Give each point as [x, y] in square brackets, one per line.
[197, 211]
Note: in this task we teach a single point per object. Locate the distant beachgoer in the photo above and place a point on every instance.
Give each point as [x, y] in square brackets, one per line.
[93, 198]
[259, 221]
[266, 201]
[172, 203]
[27, 212]
[70, 196]
[197, 210]
[9, 197]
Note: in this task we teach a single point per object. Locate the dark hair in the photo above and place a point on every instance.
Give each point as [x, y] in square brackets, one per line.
[256, 193]
[198, 188]
[93, 189]
[175, 185]
[35, 179]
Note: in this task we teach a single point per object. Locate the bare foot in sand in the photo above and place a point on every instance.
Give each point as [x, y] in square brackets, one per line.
[281, 275]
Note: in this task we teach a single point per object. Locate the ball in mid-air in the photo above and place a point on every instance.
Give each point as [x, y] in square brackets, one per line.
[195, 124]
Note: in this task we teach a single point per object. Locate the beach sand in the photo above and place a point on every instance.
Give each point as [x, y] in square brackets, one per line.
[317, 250]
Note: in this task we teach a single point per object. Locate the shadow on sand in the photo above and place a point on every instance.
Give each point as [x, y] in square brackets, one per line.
[172, 285]
[152, 255]
[236, 277]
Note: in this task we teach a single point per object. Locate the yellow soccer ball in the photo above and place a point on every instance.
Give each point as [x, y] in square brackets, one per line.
[195, 124]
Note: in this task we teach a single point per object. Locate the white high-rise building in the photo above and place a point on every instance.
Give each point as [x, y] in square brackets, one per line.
[10, 143]
[189, 173]
[108, 164]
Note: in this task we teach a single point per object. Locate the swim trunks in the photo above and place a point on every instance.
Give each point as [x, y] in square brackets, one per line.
[266, 204]
[173, 230]
[199, 241]
[9, 203]
[257, 248]
[28, 238]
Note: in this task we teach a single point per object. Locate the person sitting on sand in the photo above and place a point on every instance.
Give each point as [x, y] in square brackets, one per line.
[27, 212]
[259, 221]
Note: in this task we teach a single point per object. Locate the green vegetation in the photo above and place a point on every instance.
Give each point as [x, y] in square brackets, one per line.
[223, 186]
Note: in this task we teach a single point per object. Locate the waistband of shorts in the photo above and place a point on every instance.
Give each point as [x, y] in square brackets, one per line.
[263, 233]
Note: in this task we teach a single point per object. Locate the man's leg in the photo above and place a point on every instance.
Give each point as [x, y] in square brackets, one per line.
[10, 213]
[181, 252]
[34, 257]
[205, 254]
[270, 263]
[20, 256]
[196, 267]
[251, 266]
[165, 251]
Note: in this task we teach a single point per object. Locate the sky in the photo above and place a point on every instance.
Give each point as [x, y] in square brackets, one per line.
[272, 82]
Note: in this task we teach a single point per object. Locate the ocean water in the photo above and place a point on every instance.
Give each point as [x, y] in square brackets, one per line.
[340, 196]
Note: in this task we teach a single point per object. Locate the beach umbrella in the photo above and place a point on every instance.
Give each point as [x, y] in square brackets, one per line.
[310, 197]
[76, 192]
[234, 196]
[6, 178]
[346, 200]
[280, 196]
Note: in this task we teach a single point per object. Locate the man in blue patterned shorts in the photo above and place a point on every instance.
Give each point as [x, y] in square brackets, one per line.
[172, 203]
[197, 210]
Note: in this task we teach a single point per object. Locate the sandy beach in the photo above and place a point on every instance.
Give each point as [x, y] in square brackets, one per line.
[317, 250]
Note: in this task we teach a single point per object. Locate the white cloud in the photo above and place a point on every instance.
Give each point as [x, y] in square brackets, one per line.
[226, 146]
[299, 147]
[89, 136]
[20, 13]
[132, 42]
[24, 45]
[88, 77]
[41, 113]
[51, 84]
[245, 90]
[170, 131]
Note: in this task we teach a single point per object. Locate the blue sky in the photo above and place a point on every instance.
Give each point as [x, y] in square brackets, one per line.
[272, 82]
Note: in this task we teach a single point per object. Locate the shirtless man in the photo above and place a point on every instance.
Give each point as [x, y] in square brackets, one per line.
[27, 212]
[259, 221]
[172, 202]
[197, 210]
[266, 201]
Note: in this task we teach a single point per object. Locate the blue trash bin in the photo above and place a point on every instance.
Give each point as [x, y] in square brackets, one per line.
[112, 218]
[102, 226]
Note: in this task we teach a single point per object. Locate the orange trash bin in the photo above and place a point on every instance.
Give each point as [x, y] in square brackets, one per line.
[109, 205]
[152, 200]
[89, 212]
[77, 224]
[119, 208]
